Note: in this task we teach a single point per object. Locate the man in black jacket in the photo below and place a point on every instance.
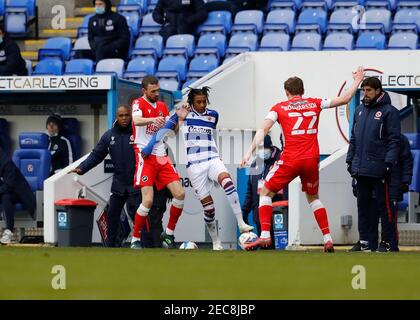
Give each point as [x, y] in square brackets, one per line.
[108, 33]
[179, 16]
[373, 152]
[13, 189]
[268, 155]
[11, 61]
[60, 147]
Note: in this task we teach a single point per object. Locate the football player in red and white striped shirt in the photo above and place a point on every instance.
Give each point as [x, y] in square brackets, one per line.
[299, 118]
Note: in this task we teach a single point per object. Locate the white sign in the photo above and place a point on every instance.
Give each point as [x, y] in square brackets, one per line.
[53, 83]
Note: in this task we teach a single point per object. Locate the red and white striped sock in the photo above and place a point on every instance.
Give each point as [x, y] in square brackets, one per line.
[139, 222]
[321, 218]
[265, 213]
[174, 214]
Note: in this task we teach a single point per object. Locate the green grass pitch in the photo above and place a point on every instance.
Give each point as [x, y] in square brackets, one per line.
[97, 273]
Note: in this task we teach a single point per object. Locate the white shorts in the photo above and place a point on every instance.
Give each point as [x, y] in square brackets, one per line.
[203, 175]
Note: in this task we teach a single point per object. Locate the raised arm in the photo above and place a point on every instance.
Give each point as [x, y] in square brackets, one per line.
[259, 137]
[358, 77]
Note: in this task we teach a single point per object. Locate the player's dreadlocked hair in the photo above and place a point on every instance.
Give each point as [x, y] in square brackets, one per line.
[204, 91]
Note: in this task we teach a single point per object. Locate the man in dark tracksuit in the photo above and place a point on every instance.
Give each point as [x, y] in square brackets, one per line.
[401, 176]
[108, 33]
[373, 152]
[11, 61]
[59, 146]
[13, 189]
[179, 16]
[270, 154]
[117, 142]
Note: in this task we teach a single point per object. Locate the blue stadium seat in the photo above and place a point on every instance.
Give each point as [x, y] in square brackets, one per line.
[80, 67]
[2, 7]
[33, 158]
[407, 16]
[151, 4]
[180, 44]
[408, 4]
[343, 19]
[339, 41]
[275, 42]
[376, 19]
[28, 64]
[81, 45]
[386, 4]
[202, 65]
[19, 14]
[341, 4]
[138, 68]
[304, 41]
[133, 20]
[370, 40]
[71, 130]
[242, 42]
[111, 66]
[169, 84]
[57, 47]
[312, 20]
[321, 4]
[403, 40]
[149, 26]
[249, 21]
[188, 83]
[211, 44]
[132, 5]
[282, 4]
[5, 142]
[49, 67]
[217, 21]
[280, 20]
[82, 31]
[172, 67]
[148, 45]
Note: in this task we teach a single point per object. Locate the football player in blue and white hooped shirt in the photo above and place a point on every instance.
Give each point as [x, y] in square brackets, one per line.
[204, 164]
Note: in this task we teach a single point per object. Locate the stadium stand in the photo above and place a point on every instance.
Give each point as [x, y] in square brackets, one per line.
[19, 15]
[79, 67]
[49, 67]
[110, 66]
[275, 42]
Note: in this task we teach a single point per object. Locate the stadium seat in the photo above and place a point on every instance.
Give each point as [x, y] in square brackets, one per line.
[148, 45]
[80, 67]
[343, 19]
[28, 64]
[133, 21]
[242, 42]
[321, 4]
[139, 6]
[202, 65]
[180, 44]
[49, 67]
[345, 4]
[188, 83]
[173, 67]
[169, 84]
[275, 42]
[249, 21]
[57, 47]
[386, 4]
[339, 41]
[34, 161]
[71, 130]
[5, 142]
[211, 44]
[280, 20]
[81, 47]
[283, 4]
[138, 68]
[82, 31]
[407, 16]
[149, 26]
[376, 19]
[151, 5]
[370, 40]
[403, 40]
[304, 41]
[18, 15]
[107, 66]
[312, 20]
[2, 7]
[217, 21]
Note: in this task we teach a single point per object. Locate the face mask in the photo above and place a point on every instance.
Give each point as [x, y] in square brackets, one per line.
[100, 10]
[264, 154]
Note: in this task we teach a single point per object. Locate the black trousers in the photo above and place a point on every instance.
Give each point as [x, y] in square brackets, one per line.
[8, 201]
[116, 204]
[374, 203]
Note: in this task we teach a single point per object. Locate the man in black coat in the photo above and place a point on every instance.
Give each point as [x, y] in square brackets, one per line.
[11, 61]
[60, 146]
[13, 189]
[373, 152]
[108, 32]
[266, 157]
[179, 16]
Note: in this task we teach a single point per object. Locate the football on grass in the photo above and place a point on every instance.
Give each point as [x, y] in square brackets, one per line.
[188, 245]
[247, 237]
